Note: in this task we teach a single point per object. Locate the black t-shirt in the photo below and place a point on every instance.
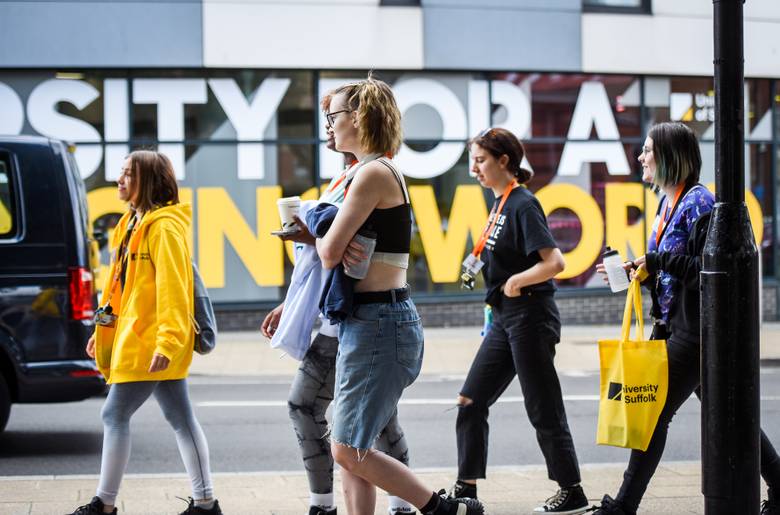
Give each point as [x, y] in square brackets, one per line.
[514, 243]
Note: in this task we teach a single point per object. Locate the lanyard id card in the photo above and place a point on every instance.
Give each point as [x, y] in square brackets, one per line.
[473, 264]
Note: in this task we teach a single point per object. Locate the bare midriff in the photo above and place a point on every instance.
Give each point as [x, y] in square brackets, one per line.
[382, 277]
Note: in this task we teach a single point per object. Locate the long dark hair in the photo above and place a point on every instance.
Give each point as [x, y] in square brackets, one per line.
[500, 142]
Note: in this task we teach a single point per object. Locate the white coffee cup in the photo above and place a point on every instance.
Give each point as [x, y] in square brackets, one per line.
[288, 207]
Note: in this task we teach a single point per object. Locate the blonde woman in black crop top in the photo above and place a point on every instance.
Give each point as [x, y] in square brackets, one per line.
[380, 342]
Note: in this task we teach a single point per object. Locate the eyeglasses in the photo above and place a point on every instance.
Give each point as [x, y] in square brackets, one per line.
[331, 117]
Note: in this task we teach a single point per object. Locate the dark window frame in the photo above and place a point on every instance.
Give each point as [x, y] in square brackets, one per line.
[13, 188]
[400, 3]
[645, 7]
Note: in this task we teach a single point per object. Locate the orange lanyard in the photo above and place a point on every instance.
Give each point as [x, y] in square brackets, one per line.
[495, 213]
[662, 223]
[335, 185]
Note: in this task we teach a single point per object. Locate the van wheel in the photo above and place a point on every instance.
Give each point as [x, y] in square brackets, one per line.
[5, 403]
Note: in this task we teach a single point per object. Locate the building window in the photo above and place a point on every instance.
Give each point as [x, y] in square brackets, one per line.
[397, 3]
[617, 6]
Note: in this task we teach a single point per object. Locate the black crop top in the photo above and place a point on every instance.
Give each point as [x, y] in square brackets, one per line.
[392, 225]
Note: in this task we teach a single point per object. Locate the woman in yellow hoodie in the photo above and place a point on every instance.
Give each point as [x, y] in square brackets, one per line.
[144, 338]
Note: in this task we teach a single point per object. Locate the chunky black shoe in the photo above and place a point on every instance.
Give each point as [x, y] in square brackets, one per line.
[198, 510]
[568, 501]
[95, 507]
[461, 505]
[771, 506]
[461, 490]
[610, 506]
[316, 510]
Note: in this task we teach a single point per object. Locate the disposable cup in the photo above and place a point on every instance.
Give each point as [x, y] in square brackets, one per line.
[288, 207]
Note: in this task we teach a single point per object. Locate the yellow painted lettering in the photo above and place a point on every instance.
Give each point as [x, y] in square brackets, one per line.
[259, 251]
[568, 196]
[444, 252]
[630, 240]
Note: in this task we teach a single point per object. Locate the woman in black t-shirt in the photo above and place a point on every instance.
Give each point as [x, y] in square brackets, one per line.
[520, 260]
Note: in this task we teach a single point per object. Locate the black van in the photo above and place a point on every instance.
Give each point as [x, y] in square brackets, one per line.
[46, 282]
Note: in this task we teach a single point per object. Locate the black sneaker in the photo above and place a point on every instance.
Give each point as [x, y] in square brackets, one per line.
[461, 490]
[317, 510]
[771, 506]
[568, 501]
[461, 505]
[610, 506]
[197, 510]
[95, 507]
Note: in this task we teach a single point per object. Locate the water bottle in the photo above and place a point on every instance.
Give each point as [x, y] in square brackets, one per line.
[368, 240]
[488, 320]
[616, 274]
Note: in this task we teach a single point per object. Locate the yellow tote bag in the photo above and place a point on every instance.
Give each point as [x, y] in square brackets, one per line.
[634, 382]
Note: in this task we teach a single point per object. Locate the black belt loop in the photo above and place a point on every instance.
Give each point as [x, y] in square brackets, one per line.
[392, 296]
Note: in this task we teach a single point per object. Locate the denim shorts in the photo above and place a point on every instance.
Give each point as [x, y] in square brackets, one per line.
[380, 354]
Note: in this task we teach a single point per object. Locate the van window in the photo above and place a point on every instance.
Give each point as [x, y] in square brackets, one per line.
[7, 198]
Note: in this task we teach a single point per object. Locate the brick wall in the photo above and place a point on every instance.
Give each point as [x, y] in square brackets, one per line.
[579, 308]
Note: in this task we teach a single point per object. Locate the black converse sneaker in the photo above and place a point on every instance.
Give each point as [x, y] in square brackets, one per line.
[199, 510]
[568, 501]
[461, 490]
[95, 507]
[610, 506]
[460, 506]
[318, 510]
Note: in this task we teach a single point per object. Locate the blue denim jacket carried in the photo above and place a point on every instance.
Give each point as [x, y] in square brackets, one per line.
[337, 296]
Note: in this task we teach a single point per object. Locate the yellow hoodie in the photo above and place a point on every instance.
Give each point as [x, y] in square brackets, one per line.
[155, 305]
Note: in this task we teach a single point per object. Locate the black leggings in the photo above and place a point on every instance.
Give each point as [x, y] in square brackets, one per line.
[521, 342]
[684, 379]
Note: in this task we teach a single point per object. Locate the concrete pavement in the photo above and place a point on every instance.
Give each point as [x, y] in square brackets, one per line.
[508, 490]
[448, 351]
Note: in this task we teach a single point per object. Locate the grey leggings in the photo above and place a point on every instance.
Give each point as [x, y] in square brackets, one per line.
[123, 400]
[310, 395]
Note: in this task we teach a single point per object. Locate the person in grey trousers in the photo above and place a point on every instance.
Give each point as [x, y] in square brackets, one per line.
[312, 388]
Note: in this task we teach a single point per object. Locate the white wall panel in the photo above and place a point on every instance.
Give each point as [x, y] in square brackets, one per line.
[675, 44]
[352, 34]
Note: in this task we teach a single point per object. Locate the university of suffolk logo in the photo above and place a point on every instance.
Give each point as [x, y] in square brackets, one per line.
[632, 394]
[615, 392]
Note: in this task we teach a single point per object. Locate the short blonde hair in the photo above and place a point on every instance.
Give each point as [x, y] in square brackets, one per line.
[378, 117]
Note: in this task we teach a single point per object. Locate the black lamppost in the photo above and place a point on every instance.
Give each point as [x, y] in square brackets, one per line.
[729, 296]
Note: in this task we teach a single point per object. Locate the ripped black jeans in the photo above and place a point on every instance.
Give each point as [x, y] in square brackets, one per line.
[521, 342]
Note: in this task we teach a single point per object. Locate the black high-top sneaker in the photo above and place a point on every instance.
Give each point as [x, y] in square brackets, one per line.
[461, 490]
[772, 505]
[199, 510]
[610, 506]
[95, 507]
[568, 501]
[458, 506]
[317, 510]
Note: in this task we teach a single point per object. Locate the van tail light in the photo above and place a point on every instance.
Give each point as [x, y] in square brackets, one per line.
[85, 373]
[80, 286]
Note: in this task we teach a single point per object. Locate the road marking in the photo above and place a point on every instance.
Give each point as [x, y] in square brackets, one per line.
[540, 467]
[410, 402]
[403, 402]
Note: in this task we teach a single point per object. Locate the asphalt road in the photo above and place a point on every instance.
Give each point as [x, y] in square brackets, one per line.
[248, 430]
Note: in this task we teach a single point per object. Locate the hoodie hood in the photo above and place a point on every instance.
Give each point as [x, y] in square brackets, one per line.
[180, 213]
